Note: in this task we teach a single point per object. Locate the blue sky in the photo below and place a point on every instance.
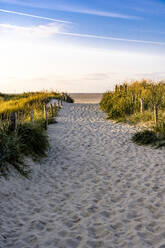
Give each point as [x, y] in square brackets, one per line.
[80, 46]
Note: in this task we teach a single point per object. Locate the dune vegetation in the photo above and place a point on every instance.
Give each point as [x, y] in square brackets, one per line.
[29, 139]
[141, 103]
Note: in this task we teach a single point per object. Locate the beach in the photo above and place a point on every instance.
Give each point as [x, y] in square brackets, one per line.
[94, 189]
[91, 98]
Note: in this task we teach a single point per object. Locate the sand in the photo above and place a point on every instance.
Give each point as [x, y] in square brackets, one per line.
[95, 189]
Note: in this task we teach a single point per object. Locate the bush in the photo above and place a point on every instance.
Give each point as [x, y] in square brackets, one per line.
[145, 137]
[117, 104]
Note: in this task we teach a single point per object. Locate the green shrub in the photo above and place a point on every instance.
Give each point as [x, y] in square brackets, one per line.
[117, 104]
[145, 137]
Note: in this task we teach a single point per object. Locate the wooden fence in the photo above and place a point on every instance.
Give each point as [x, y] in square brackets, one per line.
[52, 108]
[125, 87]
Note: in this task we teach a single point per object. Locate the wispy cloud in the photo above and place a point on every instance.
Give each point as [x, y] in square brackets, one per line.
[113, 38]
[150, 7]
[56, 29]
[33, 16]
[98, 13]
[73, 9]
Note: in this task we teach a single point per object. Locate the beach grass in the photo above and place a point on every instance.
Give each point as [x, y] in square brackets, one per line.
[29, 139]
[134, 104]
[155, 136]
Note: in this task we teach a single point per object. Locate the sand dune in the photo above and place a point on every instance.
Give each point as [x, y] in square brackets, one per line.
[95, 189]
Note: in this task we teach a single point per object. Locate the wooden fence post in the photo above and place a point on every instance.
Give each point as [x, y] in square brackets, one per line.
[125, 88]
[32, 116]
[55, 108]
[156, 113]
[13, 121]
[116, 88]
[46, 116]
[142, 105]
[51, 107]
[121, 87]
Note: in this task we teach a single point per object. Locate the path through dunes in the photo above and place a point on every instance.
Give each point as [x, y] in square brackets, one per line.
[95, 189]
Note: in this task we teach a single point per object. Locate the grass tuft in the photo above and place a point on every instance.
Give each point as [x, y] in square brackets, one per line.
[146, 137]
[33, 140]
[10, 154]
[155, 137]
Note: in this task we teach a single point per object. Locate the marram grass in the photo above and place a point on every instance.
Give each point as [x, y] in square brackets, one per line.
[124, 105]
[29, 139]
[154, 137]
[119, 104]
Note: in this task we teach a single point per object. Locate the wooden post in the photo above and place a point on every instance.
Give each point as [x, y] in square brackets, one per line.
[121, 87]
[125, 88]
[142, 105]
[55, 108]
[133, 97]
[156, 114]
[13, 121]
[32, 116]
[116, 88]
[51, 107]
[46, 116]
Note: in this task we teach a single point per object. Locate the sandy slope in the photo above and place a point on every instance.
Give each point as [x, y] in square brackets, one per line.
[95, 189]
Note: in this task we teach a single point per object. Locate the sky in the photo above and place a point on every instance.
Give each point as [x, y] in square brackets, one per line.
[80, 46]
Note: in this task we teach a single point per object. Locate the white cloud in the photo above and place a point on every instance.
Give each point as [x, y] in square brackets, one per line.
[27, 63]
[40, 31]
[34, 66]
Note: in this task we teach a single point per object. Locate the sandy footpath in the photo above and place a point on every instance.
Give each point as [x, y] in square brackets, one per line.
[95, 189]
